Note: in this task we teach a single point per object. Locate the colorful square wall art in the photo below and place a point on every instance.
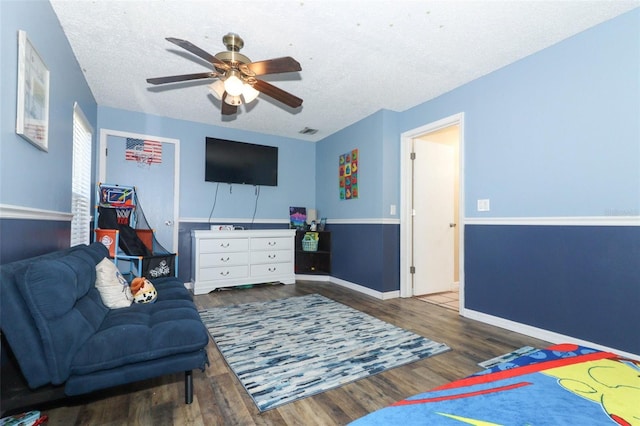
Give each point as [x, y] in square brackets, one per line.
[348, 175]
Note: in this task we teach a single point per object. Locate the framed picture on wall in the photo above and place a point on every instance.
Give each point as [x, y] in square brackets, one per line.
[297, 217]
[32, 122]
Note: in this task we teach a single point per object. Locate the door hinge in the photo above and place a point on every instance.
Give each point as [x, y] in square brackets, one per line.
[106, 152]
[413, 155]
[412, 269]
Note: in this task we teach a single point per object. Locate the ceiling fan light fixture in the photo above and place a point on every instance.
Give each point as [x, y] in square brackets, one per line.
[249, 93]
[232, 100]
[217, 89]
[233, 85]
[236, 74]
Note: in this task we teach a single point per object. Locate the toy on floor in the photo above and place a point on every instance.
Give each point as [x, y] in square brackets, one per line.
[30, 418]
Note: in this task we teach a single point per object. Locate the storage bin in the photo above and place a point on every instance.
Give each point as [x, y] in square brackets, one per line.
[309, 243]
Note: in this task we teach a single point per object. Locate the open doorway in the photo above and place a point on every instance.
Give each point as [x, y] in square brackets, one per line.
[157, 183]
[431, 222]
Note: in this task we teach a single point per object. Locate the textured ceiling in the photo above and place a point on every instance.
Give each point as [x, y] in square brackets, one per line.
[357, 57]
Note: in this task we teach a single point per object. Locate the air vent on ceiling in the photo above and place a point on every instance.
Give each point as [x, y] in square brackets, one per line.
[308, 131]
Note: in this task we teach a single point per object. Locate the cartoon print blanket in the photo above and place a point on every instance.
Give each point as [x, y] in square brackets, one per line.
[560, 385]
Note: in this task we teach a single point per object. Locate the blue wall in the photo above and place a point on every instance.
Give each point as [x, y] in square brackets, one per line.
[371, 137]
[556, 133]
[296, 168]
[365, 236]
[580, 281]
[29, 178]
[366, 254]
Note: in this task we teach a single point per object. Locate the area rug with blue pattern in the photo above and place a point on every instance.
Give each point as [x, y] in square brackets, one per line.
[287, 349]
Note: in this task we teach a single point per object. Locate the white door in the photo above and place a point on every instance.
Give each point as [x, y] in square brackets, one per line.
[433, 222]
[155, 184]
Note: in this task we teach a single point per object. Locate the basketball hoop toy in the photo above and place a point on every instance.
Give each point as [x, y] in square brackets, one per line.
[123, 214]
[143, 158]
[121, 200]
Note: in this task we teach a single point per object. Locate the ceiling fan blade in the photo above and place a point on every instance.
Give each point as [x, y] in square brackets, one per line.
[271, 66]
[277, 93]
[226, 108]
[186, 45]
[184, 77]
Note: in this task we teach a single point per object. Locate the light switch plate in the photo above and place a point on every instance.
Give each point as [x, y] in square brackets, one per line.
[484, 205]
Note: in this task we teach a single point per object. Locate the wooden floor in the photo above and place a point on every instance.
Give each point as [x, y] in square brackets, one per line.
[221, 400]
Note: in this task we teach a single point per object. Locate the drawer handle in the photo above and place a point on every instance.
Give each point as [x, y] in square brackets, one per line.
[225, 273]
[272, 269]
[224, 245]
[222, 259]
[272, 243]
[271, 256]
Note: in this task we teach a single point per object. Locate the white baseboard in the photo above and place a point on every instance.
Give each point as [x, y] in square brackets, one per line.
[351, 286]
[369, 292]
[540, 333]
[305, 277]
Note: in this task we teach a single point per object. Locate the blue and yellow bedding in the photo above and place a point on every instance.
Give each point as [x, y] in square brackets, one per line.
[561, 385]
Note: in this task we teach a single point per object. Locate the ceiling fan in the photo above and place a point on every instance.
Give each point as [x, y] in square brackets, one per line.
[236, 74]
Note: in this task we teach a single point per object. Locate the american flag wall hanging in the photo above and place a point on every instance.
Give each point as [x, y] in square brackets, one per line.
[138, 149]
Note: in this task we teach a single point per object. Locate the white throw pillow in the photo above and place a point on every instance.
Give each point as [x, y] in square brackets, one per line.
[114, 289]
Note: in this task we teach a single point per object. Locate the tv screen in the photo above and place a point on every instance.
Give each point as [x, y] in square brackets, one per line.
[240, 162]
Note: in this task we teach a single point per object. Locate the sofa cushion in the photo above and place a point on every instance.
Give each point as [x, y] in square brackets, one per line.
[65, 311]
[144, 332]
[170, 288]
[114, 289]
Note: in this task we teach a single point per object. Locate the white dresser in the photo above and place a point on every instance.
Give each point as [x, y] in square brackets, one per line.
[231, 258]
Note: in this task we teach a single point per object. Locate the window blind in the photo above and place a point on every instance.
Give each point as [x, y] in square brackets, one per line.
[81, 179]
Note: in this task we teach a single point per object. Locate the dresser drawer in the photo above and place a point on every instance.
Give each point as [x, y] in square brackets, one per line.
[271, 256]
[223, 273]
[222, 245]
[208, 260]
[275, 243]
[273, 269]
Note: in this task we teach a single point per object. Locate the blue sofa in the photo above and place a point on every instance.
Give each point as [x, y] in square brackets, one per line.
[61, 333]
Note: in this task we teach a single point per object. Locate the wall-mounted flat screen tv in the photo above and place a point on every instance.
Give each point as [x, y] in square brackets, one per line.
[229, 161]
